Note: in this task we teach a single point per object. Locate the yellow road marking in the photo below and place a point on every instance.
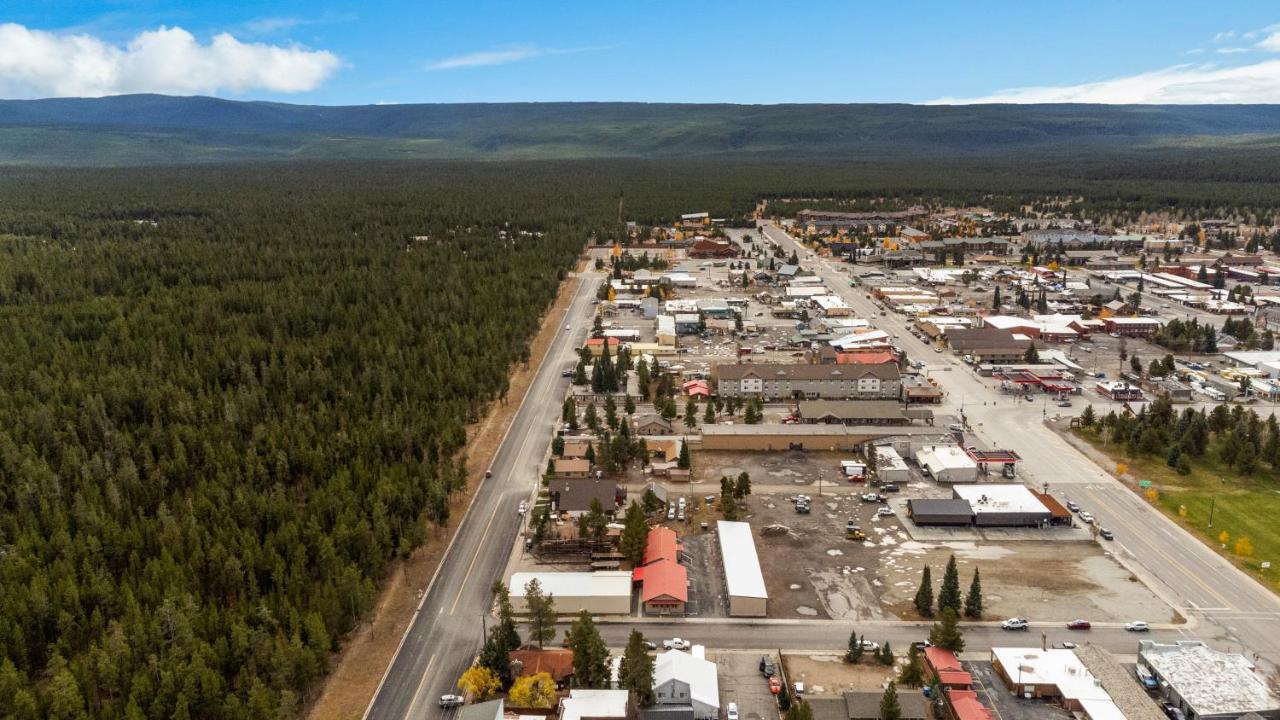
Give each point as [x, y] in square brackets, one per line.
[418, 692]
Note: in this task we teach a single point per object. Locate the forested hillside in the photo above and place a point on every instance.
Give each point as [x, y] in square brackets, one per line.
[230, 398]
[135, 129]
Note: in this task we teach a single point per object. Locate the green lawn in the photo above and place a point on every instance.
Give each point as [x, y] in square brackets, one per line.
[1242, 506]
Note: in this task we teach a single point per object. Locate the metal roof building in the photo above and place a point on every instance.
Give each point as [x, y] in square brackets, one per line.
[1004, 505]
[948, 464]
[745, 582]
[940, 512]
[1207, 684]
[600, 593]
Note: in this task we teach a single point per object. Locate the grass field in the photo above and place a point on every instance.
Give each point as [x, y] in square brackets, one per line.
[1244, 507]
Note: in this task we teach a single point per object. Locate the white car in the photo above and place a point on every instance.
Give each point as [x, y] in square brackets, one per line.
[1137, 626]
[884, 512]
[676, 644]
[1086, 516]
[671, 512]
[1014, 624]
[524, 507]
[869, 646]
[451, 701]
[733, 711]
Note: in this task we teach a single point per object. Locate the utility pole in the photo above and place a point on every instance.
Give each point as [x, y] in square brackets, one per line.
[1212, 502]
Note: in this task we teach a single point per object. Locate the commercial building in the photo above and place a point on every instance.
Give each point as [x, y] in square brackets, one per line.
[1006, 505]
[687, 679]
[772, 381]
[773, 437]
[1207, 684]
[664, 582]
[947, 464]
[852, 412]
[890, 467]
[1132, 326]
[944, 663]
[1118, 390]
[600, 593]
[1055, 675]
[928, 511]
[743, 579]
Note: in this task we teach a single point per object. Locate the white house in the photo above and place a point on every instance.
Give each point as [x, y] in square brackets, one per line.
[681, 678]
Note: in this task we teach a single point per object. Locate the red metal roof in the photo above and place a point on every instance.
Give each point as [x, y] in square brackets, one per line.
[955, 678]
[966, 706]
[556, 661]
[661, 545]
[665, 578]
[942, 660]
[864, 358]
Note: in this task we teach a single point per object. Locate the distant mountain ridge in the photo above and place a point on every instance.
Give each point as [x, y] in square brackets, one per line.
[148, 128]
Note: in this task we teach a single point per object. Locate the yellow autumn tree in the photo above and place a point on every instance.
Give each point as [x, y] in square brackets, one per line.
[1182, 511]
[1121, 468]
[479, 683]
[1153, 495]
[1224, 537]
[1244, 547]
[534, 691]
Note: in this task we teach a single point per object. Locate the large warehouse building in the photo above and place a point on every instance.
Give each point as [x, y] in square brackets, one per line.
[1207, 684]
[745, 582]
[599, 593]
[939, 512]
[948, 464]
[1004, 505]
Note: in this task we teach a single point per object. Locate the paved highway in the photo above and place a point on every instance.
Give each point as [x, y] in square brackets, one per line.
[445, 634]
[1228, 605]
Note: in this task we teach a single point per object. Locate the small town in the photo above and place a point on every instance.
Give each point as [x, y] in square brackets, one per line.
[838, 464]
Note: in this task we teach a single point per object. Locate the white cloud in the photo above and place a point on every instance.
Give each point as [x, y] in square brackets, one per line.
[1225, 35]
[36, 63]
[1180, 84]
[1231, 50]
[1272, 40]
[501, 56]
[268, 25]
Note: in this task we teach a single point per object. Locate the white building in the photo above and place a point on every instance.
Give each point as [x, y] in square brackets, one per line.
[1003, 505]
[745, 582]
[1205, 683]
[1055, 674]
[947, 464]
[594, 704]
[681, 678]
[890, 467]
[599, 593]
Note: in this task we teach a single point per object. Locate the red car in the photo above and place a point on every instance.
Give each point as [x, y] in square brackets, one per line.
[1078, 625]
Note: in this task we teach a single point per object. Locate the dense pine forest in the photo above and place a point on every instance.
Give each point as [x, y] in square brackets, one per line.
[233, 394]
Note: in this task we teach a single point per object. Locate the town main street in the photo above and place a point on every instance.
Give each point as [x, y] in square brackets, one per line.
[1231, 608]
[446, 631]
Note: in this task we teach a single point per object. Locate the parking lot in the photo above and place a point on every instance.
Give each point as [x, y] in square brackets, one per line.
[1007, 706]
[742, 683]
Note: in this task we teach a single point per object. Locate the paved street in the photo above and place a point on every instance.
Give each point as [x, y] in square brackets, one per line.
[446, 632]
[1237, 611]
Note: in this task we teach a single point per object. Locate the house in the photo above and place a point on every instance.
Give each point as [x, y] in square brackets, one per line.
[575, 448]
[492, 710]
[651, 424]
[696, 388]
[529, 661]
[770, 381]
[944, 663]
[595, 705]
[571, 467]
[574, 495]
[681, 678]
[666, 330]
[596, 346]
[865, 705]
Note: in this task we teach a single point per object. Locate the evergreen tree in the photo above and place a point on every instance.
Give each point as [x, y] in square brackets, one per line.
[924, 595]
[590, 654]
[542, 613]
[636, 671]
[885, 654]
[682, 461]
[912, 674]
[742, 488]
[889, 707]
[946, 632]
[691, 413]
[635, 534]
[949, 593]
[854, 652]
[973, 600]
[629, 405]
[709, 415]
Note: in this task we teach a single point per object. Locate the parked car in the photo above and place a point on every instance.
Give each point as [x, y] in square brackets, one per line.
[885, 512]
[775, 685]
[889, 487]
[676, 644]
[733, 711]
[870, 646]
[650, 645]
[1014, 624]
[523, 508]
[1137, 626]
[922, 644]
[1086, 516]
[567, 373]
[803, 508]
[798, 688]
[1078, 625]
[1073, 507]
[1107, 534]
[451, 701]
[1066, 645]
[671, 512]
[766, 665]
[873, 498]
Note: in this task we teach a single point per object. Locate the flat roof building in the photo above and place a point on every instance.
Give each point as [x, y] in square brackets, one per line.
[947, 464]
[890, 467]
[1056, 675]
[743, 579]
[595, 704]
[600, 593]
[1007, 505]
[1207, 684]
[927, 511]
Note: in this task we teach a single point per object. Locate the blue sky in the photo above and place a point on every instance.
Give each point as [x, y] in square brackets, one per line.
[748, 52]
